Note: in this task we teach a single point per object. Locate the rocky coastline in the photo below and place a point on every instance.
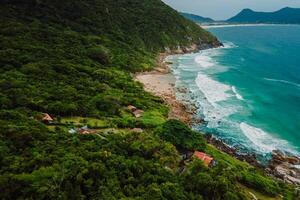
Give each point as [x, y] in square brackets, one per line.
[281, 166]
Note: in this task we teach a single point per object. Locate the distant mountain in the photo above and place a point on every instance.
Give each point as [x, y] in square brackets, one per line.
[283, 16]
[197, 18]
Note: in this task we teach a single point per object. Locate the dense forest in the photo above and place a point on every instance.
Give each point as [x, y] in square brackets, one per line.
[74, 60]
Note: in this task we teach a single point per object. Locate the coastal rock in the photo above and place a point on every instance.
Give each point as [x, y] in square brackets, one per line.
[250, 158]
[293, 160]
[182, 90]
[285, 167]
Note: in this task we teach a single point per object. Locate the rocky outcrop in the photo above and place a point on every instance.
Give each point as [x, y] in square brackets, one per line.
[250, 158]
[193, 48]
[281, 166]
[285, 167]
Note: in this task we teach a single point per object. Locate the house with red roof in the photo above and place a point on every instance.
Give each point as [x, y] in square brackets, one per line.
[47, 119]
[208, 160]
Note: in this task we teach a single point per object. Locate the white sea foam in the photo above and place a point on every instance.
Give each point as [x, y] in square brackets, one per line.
[238, 96]
[213, 107]
[214, 100]
[263, 141]
[214, 91]
[205, 57]
[283, 81]
[204, 61]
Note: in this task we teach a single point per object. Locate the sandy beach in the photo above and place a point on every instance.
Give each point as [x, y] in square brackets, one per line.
[161, 82]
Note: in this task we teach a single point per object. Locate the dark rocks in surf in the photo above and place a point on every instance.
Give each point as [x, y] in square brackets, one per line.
[282, 166]
[250, 158]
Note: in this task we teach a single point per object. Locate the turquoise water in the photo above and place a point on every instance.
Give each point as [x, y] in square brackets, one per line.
[249, 91]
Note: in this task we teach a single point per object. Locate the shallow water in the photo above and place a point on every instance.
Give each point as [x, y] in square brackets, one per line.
[249, 90]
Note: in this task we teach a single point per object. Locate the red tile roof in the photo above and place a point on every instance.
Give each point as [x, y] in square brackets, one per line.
[131, 108]
[47, 117]
[204, 157]
[86, 132]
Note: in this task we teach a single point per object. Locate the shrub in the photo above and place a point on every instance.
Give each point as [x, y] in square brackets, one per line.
[181, 135]
[263, 184]
[99, 54]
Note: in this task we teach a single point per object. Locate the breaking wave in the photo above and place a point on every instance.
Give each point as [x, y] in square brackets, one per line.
[263, 141]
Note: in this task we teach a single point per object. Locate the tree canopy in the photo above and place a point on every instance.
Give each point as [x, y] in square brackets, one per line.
[75, 59]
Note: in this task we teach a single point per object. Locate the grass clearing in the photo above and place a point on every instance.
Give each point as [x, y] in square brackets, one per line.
[153, 118]
[81, 121]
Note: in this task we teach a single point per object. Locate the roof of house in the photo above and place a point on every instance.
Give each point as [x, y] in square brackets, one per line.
[137, 130]
[86, 130]
[89, 131]
[138, 113]
[131, 108]
[47, 117]
[204, 157]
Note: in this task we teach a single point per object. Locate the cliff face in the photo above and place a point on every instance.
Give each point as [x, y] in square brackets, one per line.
[283, 16]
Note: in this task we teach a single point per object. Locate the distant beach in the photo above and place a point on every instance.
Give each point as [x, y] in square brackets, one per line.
[161, 82]
[207, 26]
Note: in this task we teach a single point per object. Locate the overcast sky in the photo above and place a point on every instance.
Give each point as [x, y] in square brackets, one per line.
[224, 9]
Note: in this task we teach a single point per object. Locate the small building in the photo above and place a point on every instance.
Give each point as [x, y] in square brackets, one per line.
[138, 113]
[208, 160]
[137, 130]
[131, 108]
[85, 131]
[47, 119]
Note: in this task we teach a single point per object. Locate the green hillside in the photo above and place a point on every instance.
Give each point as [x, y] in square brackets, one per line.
[283, 16]
[197, 18]
[57, 57]
[74, 60]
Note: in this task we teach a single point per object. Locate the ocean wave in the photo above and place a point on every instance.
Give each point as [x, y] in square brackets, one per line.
[214, 94]
[205, 58]
[283, 81]
[221, 105]
[214, 91]
[238, 96]
[263, 141]
[204, 61]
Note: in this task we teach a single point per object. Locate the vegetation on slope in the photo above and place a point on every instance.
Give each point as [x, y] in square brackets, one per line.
[283, 16]
[74, 59]
[197, 18]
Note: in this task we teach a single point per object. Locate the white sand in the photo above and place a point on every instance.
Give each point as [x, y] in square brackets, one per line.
[158, 84]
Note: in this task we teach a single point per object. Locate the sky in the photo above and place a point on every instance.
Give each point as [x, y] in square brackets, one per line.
[224, 9]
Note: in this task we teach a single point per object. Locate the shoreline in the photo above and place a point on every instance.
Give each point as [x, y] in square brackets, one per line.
[207, 26]
[161, 82]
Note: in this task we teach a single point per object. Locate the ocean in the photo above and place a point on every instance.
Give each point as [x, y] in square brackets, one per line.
[248, 91]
